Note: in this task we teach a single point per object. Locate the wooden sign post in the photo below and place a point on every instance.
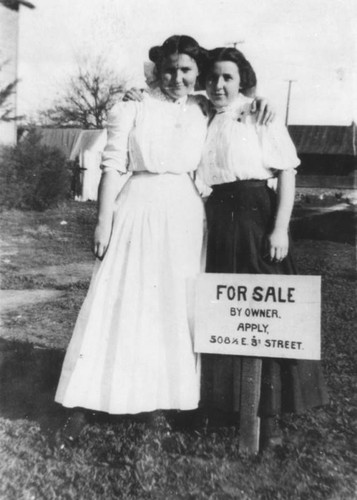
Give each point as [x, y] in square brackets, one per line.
[249, 421]
[257, 316]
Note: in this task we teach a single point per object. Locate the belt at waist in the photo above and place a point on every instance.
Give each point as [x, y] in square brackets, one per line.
[147, 172]
[236, 185]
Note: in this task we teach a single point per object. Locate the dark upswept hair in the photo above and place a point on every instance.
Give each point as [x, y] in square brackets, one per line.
[248, 79]
[178, 44]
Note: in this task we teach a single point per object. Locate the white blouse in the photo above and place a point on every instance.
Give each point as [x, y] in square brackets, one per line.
[237, 148]
[155, 135]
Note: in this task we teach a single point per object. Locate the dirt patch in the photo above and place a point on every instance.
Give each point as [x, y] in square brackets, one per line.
[62, 276]
[44, 314]
[57, 236]
[66, 274]
[15, 299]
[46, 324]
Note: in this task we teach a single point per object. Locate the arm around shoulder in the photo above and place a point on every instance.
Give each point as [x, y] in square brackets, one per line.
[204, 103]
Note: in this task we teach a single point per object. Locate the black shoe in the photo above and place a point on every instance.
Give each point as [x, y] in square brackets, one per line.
[220, 418]
[73, 427]
[271, 435]
[186, 420]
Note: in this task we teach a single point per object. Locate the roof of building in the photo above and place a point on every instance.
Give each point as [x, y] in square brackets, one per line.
[64, 139]
[308, 139]
[73, 141]
[14, 4]
[324, 139]
[90, 140]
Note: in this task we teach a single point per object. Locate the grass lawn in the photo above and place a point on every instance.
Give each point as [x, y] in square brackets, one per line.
[124, 457]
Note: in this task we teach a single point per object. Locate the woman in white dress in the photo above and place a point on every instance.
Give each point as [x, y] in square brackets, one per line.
[131, 350]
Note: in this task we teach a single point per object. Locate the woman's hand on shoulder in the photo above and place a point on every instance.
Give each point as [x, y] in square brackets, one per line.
[265, 112]
[278, 244]
[205, 105]
[134, 94]
[102, 235]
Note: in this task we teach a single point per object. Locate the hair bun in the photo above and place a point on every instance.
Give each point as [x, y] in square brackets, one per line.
[155, 54]
[181, 44]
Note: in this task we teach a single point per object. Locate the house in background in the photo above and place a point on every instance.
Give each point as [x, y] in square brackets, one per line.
[328, 155]
[84, 148]
[9, 31]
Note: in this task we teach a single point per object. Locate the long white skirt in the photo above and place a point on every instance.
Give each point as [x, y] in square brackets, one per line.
[132, 347]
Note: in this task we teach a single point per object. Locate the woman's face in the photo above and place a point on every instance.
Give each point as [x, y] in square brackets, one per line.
[178, 75]
[222, 83]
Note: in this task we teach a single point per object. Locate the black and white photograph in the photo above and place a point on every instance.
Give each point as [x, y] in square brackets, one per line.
[178, 249]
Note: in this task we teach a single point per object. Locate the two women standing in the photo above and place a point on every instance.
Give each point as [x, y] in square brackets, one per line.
[131, 350]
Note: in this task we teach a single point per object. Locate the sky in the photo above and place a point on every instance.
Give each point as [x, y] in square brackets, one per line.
[312, 42]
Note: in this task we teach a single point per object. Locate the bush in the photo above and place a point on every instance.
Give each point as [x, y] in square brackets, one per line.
[33, 176]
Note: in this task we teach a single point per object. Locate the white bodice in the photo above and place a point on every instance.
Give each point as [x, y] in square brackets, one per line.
[156, 135]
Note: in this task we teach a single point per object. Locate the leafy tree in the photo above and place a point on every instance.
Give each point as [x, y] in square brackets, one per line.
[88, 97]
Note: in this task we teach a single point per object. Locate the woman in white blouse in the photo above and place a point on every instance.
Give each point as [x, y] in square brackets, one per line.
[131, 350]
[248, 232]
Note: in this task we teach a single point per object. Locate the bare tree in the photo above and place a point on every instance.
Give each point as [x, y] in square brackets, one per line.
[6, 91]
[5, 108]
[87, 98]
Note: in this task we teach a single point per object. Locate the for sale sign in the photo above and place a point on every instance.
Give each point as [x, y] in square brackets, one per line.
[258, 315]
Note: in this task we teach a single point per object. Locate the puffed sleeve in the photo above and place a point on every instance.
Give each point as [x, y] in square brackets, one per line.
[121, 119]
[278, 150]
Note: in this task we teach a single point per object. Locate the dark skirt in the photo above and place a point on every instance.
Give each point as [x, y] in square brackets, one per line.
[240, 216]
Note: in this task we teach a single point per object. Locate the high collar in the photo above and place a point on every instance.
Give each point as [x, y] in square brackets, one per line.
[238, 103]
[157, 93]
